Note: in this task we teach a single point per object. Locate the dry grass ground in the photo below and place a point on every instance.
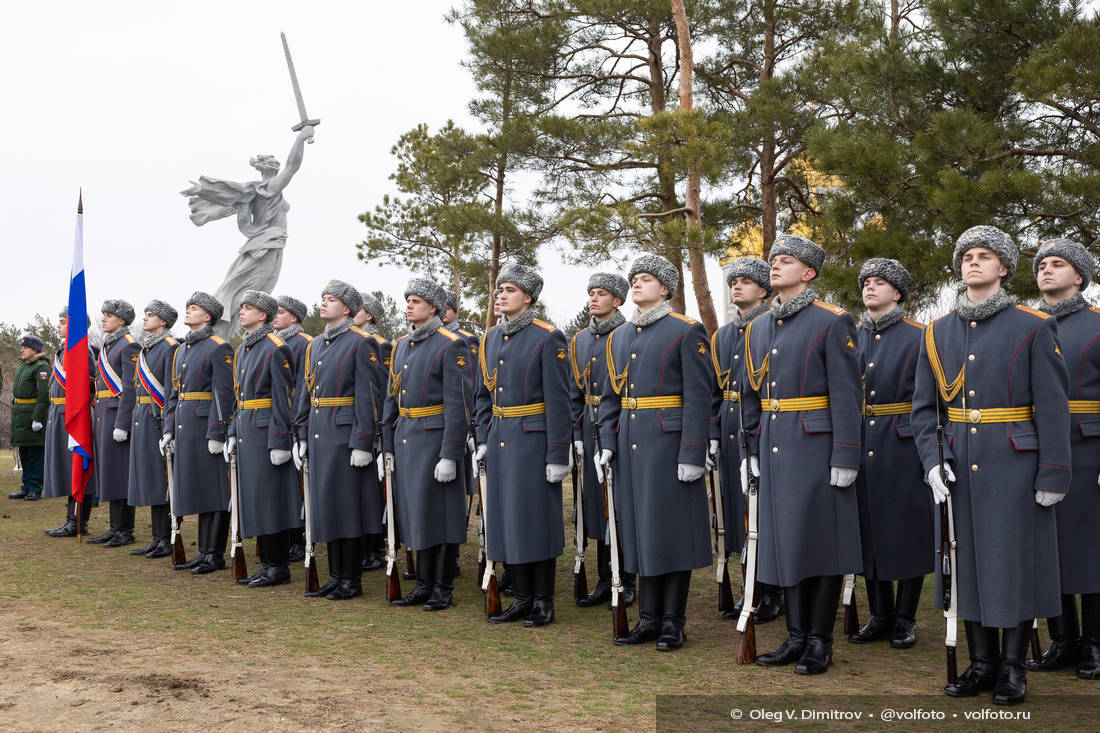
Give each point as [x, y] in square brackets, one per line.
[94, 639]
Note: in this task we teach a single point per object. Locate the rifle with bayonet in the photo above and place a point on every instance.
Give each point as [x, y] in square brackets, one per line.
[236, 547]
[620, 625]
[179, 556]
[393, 583]
[580, 578]
[725, 592]
[746, 622]
[310, 560]
[946, 552]
[475, 472]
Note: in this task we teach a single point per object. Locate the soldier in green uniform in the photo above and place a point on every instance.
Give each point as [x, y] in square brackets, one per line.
[30, 392]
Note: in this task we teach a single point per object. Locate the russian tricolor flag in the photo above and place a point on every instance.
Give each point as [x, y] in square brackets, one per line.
[78, 393]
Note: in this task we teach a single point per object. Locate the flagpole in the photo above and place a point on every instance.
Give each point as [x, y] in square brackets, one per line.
[80, 503]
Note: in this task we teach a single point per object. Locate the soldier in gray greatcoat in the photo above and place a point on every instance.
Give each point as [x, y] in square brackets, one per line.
[749, 281]
[994, 374]
[57, 469]
[288, 324]
[260, 434]
[450, 322]
[803, 410]
[147, 483]
[369, 315]
[114, 409]
[196, 421]
[895, 509]
[429, 401]
[655, 412]
[336, 425]
[588, 359]
[1063, 269]
[523, 432]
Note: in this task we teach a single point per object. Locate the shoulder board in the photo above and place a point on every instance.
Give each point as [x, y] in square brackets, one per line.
[130, 339]
[544, 325]
[171, 341]
[361, 332]
[946, 315]
[218, 340]
[275, 339]
[1094, 310]
[911, 322]
[467, 334]
[379, 338]
[1033, 312]
[682, 317]
[306, 336]
[835, 309]
[450, 335]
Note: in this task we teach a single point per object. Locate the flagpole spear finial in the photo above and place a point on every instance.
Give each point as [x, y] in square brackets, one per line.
[80, 202]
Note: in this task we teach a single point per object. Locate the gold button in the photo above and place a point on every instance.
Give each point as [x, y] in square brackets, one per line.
[878, 336]
[632, 416]
[973, 324]
[971, 357]
[971, 393]
[731, 409]
[773, 384]
[633, 356]
[634, 446]
[870, 453]
[973, 430]
[180, 427]
[502, 444]
[740, 330]
[316, 412]
[773, 417]
[731, 437]
[593, 359]
[505, 338]
[775, 449]
[405, 367]
[318, 362]
[872, 422]
[500, 389]
[870, 364]
[402, 391]
[779, 322]
[872, 393]
[974, 467]
[502, 361]
[632, 386]
[403, 440]
[775, 351]
[316, 437]
[639, 329]
[736, 356]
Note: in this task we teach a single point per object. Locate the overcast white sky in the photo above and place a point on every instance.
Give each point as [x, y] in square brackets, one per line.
[131, 100]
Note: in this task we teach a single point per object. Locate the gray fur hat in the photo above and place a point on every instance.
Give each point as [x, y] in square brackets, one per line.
[889, 270]
[991, 238]
[296, 307]
[1070, 251]
[208, 303]
[32, 342]
[525, 278]
[801, 249]
[430, 291]
[757, 270]
[64, 313]
[163, 311]
[373, 306]
[452, 302]
[120, 308]
[262, 301]
[612, 282]
[345, 293]
[658, 267]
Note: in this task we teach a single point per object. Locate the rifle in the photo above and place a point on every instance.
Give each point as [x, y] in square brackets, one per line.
[725, 593]
[236, 548]
[310, 561]
[179, 556]
[746, 622]
[946, 551]
[393, 583]
[1036, 644]
[580, 578]
[471, 439]
[620, 626]
[848, 599]
[488, 577]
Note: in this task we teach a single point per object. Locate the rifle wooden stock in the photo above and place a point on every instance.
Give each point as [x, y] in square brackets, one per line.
[312, 584]
[393, 585]
[310, 554]
[240, 567]
[620, 626]
[179, 556]
[746, 643]
[492, 598]
[580, 583]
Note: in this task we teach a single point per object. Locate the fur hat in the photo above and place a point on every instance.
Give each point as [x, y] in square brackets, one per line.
[163, 311]
[262, 301]
[992, 239]
[889, 270]
[658, 267]
[430, 291]
[801, 249]
[373, 306]
[612, 282]
[32, 342]
[64, 313]
[1070, 251]
[208, 303]
[345, 293]
[525, 278]
[757, 270]
[296, 307]
[452, 301]
[119, 308]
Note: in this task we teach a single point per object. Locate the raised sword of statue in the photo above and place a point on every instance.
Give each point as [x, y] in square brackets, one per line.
[305, 120]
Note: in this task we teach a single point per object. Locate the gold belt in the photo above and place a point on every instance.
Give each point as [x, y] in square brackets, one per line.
[535, 408]
[426, 411]
[592, 399]
[145, 400]
[57, 400]
[1084, 407]
[104, 394]
[795, 404]
[652, 403]
[332, 401]
[888, 408]
[257, 404]
[729, 395]
[25, 400]
[195, 396]
[990, 414]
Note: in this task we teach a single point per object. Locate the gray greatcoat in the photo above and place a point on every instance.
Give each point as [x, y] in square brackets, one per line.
[437, 370]
[112, 459]
[57, 472]
[664, 522]
[1007, 552]
[147, 483]
[587, 352]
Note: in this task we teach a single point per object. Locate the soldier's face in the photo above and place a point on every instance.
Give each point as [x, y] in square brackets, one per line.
[745, 291]
[788, 271]
[152, 323]
[981, 267]
[418, 310]
[450, 316]
[194, 316]
[333, 309]
[25, 352]
[512, 299]
[362, 318]
[111, 323]
[602, 303]
[63, 328]
[878, 293]
[251, 317]
[283, 319]
[646, 290]
[1056, 275]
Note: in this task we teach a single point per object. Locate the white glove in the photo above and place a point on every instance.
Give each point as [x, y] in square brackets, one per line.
[688, 473]
[361, 458]
[119, 436]
[445, 470]
[215, 446]
[555, 472]
[470, 444]
[482, 449]
[386, 464]
[602, 460]
[712, 449]
[298, 452]
[167, 444]
[36, 426]
[578, 445]
[940, 492]
[1048, 498]
[279, 456]
[752, 463]
[842, 478]
[230, 448]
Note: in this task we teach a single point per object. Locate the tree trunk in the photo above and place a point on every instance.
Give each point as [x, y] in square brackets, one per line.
[498, 201]
[768, 204]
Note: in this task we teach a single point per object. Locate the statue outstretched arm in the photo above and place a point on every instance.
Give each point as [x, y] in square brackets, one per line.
[293, 161]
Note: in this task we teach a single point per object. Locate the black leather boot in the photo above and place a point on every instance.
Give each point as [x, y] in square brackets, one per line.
[798, 625]
[630, 589]
[674, 611]
[261, 550]
[1088, 662]
[880, 599]
[425, 581]
[161, 522]
[351, 564]
[504, 584]
[297, 544]
[211, 562]
[103, 538]
[122, 518]
[981, 675]
[203, 522]
[333, 581]
[375, 558]
[905, 613]
[1011, 687]
[1065, 639]
[219, 532]
[86, 513]
[523, 587]
[68, 529]
[443, 581]
[601, 593]
[818, 654]
[542, 609]
[122, 538]
[770, 605]
[651, 598]
[277, 551]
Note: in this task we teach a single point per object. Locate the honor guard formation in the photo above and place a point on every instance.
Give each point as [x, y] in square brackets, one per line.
[796, 442]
